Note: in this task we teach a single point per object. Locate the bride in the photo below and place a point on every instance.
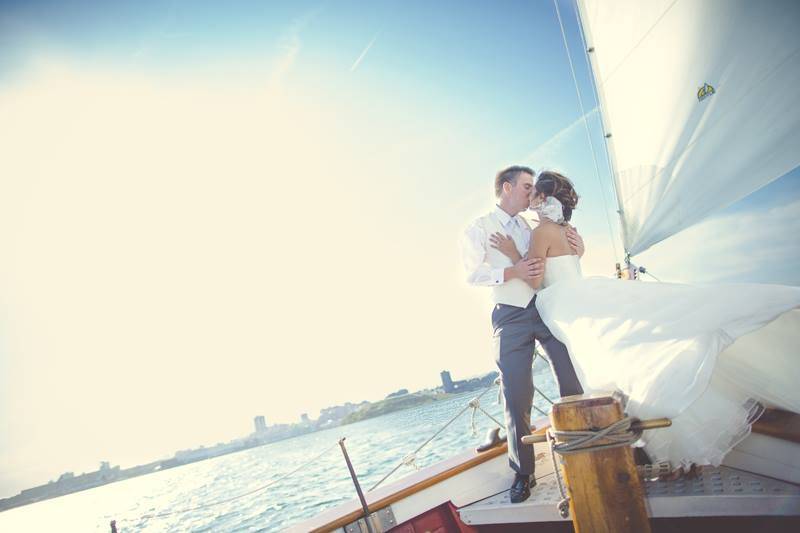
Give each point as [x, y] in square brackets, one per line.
[709, 357]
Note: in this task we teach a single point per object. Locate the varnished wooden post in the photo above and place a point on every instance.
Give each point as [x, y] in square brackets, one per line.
[606, 494]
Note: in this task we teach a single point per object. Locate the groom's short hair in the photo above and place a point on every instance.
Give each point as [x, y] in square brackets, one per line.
[509, 175]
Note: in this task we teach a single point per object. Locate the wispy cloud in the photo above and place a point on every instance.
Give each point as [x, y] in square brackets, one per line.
[289, 46]
[361, 57]
[547, 154]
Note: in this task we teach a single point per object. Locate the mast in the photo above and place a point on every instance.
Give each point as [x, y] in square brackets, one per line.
[599, 98]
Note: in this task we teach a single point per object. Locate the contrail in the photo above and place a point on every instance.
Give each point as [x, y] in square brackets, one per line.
[547, 148]
[364, 53]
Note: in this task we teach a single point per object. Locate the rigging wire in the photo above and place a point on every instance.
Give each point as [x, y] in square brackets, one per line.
[586, 125]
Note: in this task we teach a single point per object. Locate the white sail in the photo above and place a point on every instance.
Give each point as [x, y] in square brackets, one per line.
[699, 99]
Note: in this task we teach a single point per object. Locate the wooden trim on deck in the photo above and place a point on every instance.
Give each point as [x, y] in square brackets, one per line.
[779, 424]
[407, 490]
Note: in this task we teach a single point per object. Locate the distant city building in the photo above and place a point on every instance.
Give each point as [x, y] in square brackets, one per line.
[447, 381]
[261, 424]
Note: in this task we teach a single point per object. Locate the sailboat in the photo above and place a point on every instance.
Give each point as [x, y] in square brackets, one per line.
[696, 104]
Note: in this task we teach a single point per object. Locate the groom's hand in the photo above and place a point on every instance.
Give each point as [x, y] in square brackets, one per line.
[526, 269]
[575, 241]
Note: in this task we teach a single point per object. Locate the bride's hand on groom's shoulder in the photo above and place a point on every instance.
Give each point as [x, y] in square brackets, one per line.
[575, 241]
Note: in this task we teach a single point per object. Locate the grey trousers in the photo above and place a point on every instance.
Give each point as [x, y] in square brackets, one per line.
[515, 330]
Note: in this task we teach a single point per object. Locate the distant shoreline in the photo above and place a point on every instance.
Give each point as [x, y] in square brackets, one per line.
[102, 477]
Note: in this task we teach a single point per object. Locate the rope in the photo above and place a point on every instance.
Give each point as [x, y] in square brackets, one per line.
[586, 125]
[563, 504]
[411, 457]
[571, 442]
[475, 405]
[212, 504]
[619, 433]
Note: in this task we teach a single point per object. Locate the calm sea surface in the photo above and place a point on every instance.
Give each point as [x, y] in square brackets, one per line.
[375, 447]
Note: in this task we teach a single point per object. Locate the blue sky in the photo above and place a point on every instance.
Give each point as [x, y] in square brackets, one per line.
[240, 198]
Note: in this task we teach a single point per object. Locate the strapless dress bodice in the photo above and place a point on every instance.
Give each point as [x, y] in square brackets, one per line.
[561, 268]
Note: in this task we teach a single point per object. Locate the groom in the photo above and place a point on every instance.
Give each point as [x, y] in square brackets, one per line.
[517, 324]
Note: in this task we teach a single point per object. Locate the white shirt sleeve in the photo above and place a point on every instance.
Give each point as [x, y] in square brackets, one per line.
[473, 253]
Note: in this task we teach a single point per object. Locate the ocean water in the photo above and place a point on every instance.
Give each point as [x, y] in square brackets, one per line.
[205, 496]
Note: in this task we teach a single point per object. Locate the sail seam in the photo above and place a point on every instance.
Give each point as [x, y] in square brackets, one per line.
[624, 59]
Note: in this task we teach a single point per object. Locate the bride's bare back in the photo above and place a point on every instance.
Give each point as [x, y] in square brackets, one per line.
[549, 240]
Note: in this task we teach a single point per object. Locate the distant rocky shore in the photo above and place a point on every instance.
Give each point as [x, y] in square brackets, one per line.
[406, 401]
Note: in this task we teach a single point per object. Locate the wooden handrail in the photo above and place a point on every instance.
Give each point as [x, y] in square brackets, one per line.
[408, 490]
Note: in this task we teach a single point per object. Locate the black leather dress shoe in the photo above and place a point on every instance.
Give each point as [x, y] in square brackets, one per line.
[521, 489]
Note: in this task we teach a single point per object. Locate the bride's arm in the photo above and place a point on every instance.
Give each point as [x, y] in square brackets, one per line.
[541, 240]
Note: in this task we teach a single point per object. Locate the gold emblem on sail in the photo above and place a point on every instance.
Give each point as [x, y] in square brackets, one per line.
[704, 92]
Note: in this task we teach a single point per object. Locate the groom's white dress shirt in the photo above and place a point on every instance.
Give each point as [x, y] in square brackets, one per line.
[485, 265]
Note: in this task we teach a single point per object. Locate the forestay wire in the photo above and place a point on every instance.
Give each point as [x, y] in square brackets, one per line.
[586, 125]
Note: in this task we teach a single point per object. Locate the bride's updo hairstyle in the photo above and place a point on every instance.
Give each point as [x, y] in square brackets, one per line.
[551, 183]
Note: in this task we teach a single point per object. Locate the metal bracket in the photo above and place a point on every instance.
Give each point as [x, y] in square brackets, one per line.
[381, 520]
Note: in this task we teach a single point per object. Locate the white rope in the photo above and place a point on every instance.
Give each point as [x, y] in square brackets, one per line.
[586, 125]
[413, 454]
[571, 442]
[475, 403]
[619, 434]
[563, 504]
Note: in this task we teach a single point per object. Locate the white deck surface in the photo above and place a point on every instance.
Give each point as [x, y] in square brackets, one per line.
[721, 491]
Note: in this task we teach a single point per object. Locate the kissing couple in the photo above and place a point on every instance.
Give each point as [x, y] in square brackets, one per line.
[669, 349]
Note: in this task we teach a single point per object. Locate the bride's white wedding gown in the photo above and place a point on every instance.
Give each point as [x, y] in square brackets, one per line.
[701, 355]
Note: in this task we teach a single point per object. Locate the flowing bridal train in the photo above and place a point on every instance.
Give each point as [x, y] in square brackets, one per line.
[706, 356]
